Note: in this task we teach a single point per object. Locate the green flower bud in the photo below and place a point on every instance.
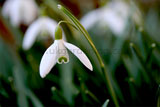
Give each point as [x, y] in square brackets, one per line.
[58, 33]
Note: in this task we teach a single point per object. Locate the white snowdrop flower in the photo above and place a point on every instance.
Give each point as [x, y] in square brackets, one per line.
[20, 11]
[57, 53]
[114, 15]
[42, 25]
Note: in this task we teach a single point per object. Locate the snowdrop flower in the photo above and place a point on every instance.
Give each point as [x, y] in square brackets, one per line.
[20, 11]
[114, 15]
[42, 25]
[57, 53]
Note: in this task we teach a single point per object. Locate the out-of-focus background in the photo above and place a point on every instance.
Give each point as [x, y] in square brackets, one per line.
[125, 32]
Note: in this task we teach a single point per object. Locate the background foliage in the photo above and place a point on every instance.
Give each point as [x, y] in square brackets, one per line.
[133, 62]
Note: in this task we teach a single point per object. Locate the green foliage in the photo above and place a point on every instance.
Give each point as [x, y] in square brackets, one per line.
[132, 61]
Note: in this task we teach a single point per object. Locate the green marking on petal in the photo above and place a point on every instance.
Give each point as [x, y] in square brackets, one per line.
[62, 59]
[58, 33]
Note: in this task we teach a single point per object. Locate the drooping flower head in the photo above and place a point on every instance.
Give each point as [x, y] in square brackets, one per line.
[41, 25]
[20, 11]
[57, 53]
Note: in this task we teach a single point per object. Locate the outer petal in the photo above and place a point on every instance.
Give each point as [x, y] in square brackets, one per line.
[30, 10]
[91, 18]
[51, 25]
[31, 34]
[115, 15]
[48, 60]
[114, 22]
[79, 54]
[15, 14]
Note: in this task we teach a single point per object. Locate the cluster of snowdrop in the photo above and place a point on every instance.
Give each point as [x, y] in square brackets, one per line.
[114, 15]
[25, 11]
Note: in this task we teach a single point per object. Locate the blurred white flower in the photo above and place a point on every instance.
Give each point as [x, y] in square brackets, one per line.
[115, 15]
[20, 11]
[42, 25]
[57, 53]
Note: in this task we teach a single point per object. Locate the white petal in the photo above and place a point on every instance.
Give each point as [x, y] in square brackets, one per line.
[115, 23]
[31, 34]
[79, 54]
[48, 60]
[15, 15]
[30, 11]
[115, 15]
[6, 8]
[91, 18]
[51, 25]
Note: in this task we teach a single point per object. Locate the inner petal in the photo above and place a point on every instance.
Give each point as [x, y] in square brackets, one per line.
[62, 54]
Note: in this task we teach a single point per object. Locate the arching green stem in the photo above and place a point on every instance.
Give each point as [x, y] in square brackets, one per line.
[85, 33]
[62, 21]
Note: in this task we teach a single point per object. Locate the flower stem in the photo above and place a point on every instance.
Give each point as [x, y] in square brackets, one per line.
[62, 21]
[85, 33]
